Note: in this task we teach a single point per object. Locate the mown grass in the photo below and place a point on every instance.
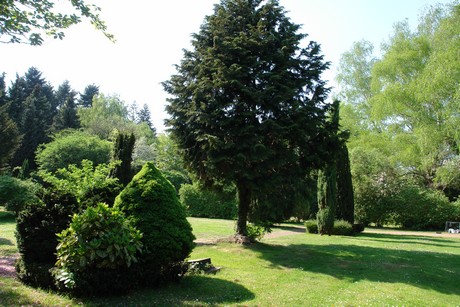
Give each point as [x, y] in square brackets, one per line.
[294, 270]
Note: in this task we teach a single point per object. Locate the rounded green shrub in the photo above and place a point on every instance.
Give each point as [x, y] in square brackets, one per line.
[36, 229]
[151, 201]
[15, 193]
[311, 226]
[98, 246]
[71, 147]
[342, 228]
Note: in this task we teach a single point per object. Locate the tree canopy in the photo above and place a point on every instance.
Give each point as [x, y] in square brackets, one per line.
[248, 102]
[402, 110]
[28, 21]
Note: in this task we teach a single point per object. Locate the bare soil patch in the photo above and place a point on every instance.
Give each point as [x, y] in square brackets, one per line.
[7, 266]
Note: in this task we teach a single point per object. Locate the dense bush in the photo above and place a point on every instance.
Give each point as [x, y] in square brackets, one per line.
[16, 193]
[99, 242]
[152, 202]
[200, 202]
[358, 227]
[428, 209]
[71, 147]
[342, 228]
[311, 226]
[88, 183]
[36, 229]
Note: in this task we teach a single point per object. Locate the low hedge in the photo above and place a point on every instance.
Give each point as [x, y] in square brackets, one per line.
[341, 227]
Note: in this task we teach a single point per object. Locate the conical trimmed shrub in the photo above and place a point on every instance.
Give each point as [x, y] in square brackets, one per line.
[151, 201]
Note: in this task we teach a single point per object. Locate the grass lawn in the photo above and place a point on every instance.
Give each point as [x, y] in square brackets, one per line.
[294, 270]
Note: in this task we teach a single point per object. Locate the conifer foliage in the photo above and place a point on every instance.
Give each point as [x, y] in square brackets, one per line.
[151, 201]
[247, 102]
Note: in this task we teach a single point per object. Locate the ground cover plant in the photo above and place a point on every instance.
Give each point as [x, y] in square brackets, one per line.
[290, 270]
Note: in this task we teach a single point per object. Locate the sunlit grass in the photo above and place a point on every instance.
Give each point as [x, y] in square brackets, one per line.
[294, 270]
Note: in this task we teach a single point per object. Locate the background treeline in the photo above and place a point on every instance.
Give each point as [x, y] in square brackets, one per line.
[403, 113]
[32, 112]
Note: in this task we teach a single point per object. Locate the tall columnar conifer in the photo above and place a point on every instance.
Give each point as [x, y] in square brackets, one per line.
[327, 186]
[345, 195]
[248, 102]
[123, 152]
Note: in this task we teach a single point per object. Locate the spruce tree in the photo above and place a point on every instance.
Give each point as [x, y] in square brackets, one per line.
[86, 98]
[248, 101]
[66, 116]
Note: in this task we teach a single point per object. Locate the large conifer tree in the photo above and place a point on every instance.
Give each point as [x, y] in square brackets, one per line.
[248, 100]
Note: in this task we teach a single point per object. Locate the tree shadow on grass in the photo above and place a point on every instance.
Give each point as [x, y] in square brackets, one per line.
[423, 269]
[195, 290]
[4, 241]
[410, 239]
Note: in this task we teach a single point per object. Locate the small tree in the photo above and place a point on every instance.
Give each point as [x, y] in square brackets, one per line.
[123, 152]
[152, 202]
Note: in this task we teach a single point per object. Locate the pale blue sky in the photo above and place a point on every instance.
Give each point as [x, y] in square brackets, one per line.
[151, 35]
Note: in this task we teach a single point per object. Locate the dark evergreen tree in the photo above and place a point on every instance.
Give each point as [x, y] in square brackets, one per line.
[327, 185]
[3, 98]
[248, 102]
[86, 98]
[10, 138]
[327, 198]
[123, 152]
[143, 116]
[345, 194]
[16, 97]
[34, 129]
[32, 106]
[63, 93]
[66, 116]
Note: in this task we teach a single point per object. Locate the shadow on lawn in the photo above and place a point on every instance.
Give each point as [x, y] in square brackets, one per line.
[192, 290]
[424, 269]
[410, 239]
[4, 241]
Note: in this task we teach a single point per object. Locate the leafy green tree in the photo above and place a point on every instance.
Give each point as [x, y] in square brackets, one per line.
[248, 100]
[86, 98]
[402, 110]
[15, 193]
[72, 147]
[169, 161]
[109, 114]
[28, 21]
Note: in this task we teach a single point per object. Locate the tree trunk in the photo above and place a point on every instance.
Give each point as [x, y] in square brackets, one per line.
[244, 201]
